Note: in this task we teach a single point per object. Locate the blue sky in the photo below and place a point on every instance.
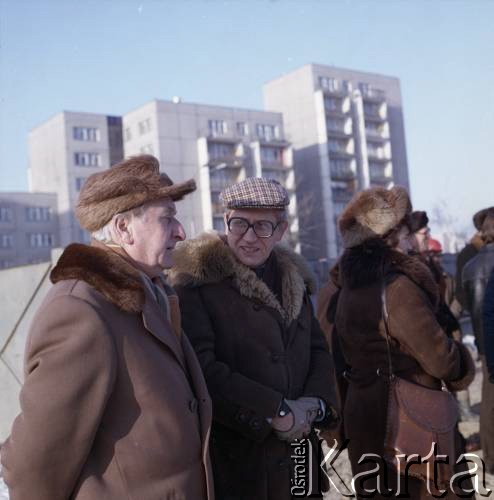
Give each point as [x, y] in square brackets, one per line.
[109, 57]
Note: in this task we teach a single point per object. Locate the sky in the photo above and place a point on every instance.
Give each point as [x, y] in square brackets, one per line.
[111, 56]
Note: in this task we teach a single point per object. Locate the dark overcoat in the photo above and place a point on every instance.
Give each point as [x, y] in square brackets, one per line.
[420, 350]
[254, 352]
[114, 403]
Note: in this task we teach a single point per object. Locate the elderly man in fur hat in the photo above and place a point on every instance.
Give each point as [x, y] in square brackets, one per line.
[246, 309]
[114, 404]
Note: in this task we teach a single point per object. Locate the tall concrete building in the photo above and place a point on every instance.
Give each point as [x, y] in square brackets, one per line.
[346, 128]
[28, 228]
[63, 152]
[215, 145]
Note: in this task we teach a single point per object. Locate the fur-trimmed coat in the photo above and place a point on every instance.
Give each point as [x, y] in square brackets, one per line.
[420, 350]
[254, 352]
[114, 403]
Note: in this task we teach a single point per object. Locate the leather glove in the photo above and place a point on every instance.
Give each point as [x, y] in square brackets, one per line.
[304, 411]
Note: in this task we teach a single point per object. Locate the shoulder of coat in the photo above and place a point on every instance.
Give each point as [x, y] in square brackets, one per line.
[204, 260]
[104, 271]
[290, 261]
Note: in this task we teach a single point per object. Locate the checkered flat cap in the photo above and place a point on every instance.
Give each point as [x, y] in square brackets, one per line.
[255, 192]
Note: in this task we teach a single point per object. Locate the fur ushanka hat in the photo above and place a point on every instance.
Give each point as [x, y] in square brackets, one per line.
[373, 213]
[480, 216]
[124, 186]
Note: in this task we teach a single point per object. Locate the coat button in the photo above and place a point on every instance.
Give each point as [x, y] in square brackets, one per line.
[193, 405]
[256, 307]
[275, 358]
[255, 424]
[242, 417]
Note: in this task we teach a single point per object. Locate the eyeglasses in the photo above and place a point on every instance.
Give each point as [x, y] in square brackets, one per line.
[262, 228]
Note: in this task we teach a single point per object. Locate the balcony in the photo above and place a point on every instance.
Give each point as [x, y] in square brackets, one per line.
[338, 127]
[375, 111]
[380, 173]
[226, 154]
[372, 94]
[377, 130]
[342, 171]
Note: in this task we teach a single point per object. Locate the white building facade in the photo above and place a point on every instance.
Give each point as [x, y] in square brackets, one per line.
[63, 152]
[347, 132]
[215, 145]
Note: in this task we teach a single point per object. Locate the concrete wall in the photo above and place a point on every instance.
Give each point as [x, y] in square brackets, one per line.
[22, 289]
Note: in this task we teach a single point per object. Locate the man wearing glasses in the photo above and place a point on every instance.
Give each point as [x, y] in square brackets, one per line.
[246, 309]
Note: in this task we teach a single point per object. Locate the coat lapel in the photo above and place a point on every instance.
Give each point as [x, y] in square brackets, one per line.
[160, 327]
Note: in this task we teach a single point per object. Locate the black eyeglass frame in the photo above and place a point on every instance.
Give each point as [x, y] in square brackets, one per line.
[249, 225]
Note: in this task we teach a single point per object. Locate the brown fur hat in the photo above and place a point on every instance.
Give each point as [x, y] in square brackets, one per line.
[373, 213]
[480, 216]
[126, 185]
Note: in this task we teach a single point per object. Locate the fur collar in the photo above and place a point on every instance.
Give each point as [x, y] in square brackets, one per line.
[208, 259]
[363, 265]
[104, 270]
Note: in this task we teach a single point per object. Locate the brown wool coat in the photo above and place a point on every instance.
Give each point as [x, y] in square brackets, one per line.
[421, 352]
[253, 352]
[114, 404]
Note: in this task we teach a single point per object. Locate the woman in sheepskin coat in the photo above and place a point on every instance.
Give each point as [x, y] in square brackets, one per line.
[375, 235]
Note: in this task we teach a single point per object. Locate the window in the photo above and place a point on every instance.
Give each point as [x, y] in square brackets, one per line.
[327, 83]
[87, 159]
[127, 134]
[242, 129]
[267, 132]
[86, 134]
[40, 240]
[275, 175]
[147, 149]
[79, 182]
[144, 126]
[219, 224]
[38, 214]
[6, 214]
[271, 155]
[218, 150]
[6, 240]
[4, 264]
[217, 127]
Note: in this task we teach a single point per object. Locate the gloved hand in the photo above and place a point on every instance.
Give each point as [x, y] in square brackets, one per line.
[304, 411]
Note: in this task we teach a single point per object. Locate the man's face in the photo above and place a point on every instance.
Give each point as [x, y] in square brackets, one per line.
[249, 248]
[420, 240]
[155, 234]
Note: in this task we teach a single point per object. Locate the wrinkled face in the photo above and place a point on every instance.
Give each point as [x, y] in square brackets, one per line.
[154, 235]
[420, 240]
[249, 248]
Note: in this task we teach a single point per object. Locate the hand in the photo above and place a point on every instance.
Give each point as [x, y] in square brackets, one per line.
[304, 411]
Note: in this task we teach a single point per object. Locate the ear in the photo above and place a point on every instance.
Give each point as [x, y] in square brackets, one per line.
[123, 230]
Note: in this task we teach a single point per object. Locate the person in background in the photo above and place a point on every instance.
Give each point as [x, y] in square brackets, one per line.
[474, 277]
[469, 252]
[247, 311]
[114, 404]
[375, 232]
[488, 318]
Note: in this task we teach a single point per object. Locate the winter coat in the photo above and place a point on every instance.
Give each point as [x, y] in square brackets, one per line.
[488, 316]
[467, 253]
[254, 352]
[114, 403]
[420, 350]
[475, 275]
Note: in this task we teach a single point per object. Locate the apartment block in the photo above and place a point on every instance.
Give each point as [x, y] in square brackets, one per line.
[28, 228]
[346, 129]
[215, 145]
[63, 152]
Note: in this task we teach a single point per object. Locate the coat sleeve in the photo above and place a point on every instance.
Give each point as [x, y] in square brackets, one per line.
[413, 324]
[239, 403]
[488, 318]
[321, 380]
[69, 373]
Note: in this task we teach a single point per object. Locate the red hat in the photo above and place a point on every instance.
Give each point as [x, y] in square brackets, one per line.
[435, 246]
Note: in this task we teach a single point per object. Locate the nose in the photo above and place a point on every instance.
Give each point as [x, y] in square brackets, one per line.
[250, 235]
[179, 232]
